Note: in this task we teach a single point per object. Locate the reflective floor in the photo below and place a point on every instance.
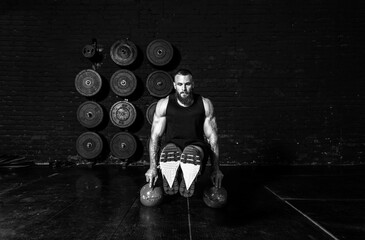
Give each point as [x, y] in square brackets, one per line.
[103, 203]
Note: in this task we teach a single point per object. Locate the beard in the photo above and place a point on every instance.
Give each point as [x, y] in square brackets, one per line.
[188, 100]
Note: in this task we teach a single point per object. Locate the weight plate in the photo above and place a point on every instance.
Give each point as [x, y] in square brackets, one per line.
[123, 145]
[88, 51]
[90, 114]
[123, 82]
[159, 83]
[150, 112]
[122, 114]
[89, 145]
[88, 82]
[123, 52]
[159, 52]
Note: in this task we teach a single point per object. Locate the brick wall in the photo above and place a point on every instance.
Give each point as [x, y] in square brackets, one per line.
[285, 77]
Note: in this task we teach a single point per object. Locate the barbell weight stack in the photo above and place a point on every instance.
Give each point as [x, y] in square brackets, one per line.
[123, 82]
[90, 114]
[123, 52]
[123, 145]
[159, 83]
[89, 145]
[122, 114]
[150, 112]
[88, 82]
[159, 52]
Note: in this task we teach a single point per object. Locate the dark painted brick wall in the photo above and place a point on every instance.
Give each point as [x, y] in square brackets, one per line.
[286, 77]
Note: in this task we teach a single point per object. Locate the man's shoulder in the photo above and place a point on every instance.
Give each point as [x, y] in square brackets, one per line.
[163, 101]
[206, 101]
[162, 105]
[208, 106]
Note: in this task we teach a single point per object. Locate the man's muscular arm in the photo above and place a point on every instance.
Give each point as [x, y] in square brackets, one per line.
[211, 132]
[158, 128]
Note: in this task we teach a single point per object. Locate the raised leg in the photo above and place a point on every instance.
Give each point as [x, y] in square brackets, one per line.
[169, 164]
[190, 162]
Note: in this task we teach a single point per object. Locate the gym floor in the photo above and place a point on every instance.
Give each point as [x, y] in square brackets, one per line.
[102, 202]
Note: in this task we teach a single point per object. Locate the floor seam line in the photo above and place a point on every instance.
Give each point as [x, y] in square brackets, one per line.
[20, 186]
[125, 215]
[60, 211]
[303, 214]
[326, 199]
[189, 221]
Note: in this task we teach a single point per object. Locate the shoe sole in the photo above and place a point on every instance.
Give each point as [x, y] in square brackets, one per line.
[185, 192]
[167, 189]
[189, 157]
[170, 154]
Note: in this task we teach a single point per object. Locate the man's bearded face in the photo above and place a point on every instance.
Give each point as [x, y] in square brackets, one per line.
[184, 86]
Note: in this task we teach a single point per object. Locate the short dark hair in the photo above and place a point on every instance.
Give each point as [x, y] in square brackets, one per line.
[183, 72]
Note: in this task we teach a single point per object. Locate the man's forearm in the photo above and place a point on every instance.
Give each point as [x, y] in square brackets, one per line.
[153, 149]
[213, 142]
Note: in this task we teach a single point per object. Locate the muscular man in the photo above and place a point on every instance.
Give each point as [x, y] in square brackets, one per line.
[186, 119]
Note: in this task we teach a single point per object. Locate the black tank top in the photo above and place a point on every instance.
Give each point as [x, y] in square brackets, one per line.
[185, 125]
